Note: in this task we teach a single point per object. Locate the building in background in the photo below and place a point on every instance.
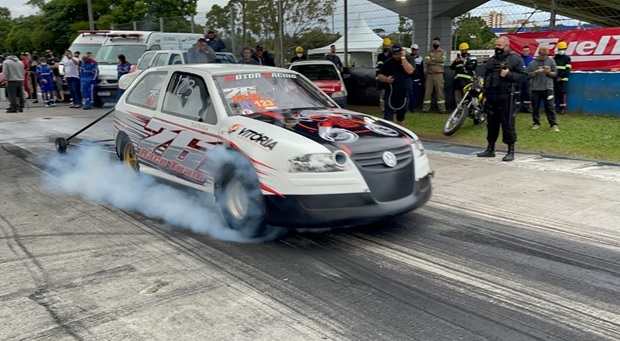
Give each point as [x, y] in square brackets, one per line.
[494, 19]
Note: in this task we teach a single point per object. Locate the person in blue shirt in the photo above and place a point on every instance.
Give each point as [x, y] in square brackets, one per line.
[46, 81]
[123, 68]
[524, 101]
[89, 71]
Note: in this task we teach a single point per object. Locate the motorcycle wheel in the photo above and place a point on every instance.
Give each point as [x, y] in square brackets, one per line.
[456, 119]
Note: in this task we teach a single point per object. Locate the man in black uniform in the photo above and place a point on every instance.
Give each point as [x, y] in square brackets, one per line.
[502, 74]
[381, 58]
[396, 73]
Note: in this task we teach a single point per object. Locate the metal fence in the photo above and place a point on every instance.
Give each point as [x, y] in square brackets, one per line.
[498, 16]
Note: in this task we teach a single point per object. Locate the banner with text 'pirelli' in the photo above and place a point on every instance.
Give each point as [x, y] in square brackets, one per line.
[590, 50]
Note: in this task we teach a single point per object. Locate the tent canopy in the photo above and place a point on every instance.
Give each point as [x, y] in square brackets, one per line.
[361, 39]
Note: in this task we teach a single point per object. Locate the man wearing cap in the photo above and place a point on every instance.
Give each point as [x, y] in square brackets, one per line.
[434, 64]
[263, 57]
[214, 43]
[396, 74]
[14, 73]
[299, 54]
[415, 98]
[381, 58]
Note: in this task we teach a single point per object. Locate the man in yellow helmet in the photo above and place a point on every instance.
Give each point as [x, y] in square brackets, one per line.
[563, 63]
[299, 54]
[385, 55]
[464, 65]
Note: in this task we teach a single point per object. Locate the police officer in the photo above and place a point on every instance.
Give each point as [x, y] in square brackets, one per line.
[381, 58]
[563, 63]
[89, 71]
[502, 75]
[396, 74]
[464, 66]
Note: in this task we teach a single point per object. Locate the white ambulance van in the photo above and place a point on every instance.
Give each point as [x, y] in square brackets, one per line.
[133, 44]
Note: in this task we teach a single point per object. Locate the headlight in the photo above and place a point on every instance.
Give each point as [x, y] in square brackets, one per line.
[334, 162]
[418, 148]
[339, 94]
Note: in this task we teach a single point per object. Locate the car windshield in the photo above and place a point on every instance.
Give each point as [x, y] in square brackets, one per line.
[83, 48]
[317, 71]
[247, 93]
[108, 55]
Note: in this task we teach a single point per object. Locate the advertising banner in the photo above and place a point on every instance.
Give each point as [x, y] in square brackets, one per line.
[590, 50]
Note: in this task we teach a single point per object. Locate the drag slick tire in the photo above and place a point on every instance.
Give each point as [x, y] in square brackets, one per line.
[128, 154]
[238, 194]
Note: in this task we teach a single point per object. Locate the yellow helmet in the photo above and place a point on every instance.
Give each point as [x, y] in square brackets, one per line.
[299, 49]
[562, 45]
[464, 46]
[387, 41]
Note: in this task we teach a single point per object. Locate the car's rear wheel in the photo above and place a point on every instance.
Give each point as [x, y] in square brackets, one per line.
[128, 154]
[238, 194]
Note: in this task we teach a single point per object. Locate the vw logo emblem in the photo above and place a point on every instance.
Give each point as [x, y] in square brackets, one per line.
[389, 159]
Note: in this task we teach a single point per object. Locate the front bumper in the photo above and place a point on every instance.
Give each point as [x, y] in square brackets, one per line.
[337, 210]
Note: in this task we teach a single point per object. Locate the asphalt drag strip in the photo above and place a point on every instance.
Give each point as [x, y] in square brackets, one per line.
[501, 252]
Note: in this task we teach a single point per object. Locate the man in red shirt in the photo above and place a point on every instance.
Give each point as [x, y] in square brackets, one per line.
[26, 62]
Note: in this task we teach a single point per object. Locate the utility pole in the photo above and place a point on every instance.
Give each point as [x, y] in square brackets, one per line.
[554, 10]
[232, 30]
[281, 29]
[346, 33]
[91, 21]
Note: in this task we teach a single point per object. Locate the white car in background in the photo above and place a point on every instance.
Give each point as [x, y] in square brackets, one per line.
[270, 146]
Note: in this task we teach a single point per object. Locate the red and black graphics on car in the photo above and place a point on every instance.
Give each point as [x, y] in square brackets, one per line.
[329, 127]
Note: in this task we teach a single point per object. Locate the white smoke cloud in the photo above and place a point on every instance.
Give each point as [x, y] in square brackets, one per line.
[87, 172]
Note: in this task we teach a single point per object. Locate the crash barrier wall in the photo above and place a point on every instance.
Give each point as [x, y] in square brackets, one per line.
[588, 92]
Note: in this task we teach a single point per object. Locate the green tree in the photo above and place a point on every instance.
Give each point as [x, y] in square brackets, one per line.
[258, 19]
[474, 31]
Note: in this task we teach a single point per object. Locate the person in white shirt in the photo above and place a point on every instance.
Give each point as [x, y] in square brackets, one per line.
[72, 75]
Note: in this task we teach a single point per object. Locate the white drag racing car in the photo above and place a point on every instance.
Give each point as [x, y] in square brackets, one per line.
[270, 146]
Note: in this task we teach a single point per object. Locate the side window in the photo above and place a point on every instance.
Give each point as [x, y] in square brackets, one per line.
[175, 58]
[147, 92]
[155, 47]
[143, 64]
[187, 97]
[160, 59]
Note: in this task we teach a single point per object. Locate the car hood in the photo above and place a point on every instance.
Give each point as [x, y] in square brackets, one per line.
[340, 129]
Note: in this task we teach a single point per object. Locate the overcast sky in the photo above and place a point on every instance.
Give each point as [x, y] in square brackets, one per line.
[370, 12]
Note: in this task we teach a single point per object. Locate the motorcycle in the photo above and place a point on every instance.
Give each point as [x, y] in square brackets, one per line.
[470, 106]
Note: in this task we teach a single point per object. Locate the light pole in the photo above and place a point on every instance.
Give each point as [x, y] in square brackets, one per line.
[91, 21]
[281, 30]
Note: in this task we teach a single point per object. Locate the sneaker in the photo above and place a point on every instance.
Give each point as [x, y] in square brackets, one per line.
[77, 106]
[555, 128]
[72, 106]
[53, 104]
[35, 101]
[536, 127]
[86, 108]
[47, 105]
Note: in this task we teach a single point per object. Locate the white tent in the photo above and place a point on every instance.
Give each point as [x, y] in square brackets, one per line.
[363, 44]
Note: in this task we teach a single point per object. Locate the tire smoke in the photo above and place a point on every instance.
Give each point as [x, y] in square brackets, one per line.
[94, 176]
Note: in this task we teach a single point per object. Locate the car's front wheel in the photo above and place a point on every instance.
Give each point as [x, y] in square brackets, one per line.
[238, 194]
